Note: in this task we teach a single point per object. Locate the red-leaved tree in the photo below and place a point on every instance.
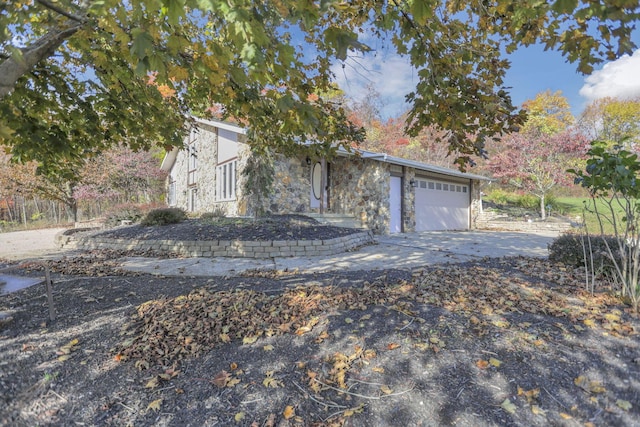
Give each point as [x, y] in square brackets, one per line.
[536, 163]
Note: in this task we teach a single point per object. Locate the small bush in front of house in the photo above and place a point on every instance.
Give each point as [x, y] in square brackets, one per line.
[569, 249]
[164, 216]
[214, 215]
[126, 212]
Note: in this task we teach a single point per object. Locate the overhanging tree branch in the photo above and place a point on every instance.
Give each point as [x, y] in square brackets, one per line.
[12, 68]
[61, 11]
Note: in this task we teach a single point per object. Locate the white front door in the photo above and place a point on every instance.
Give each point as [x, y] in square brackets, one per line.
[395, 205]
[316, 185]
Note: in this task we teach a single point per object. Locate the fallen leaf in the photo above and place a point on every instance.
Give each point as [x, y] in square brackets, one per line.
[482, 364]
[288, 412]
[495, 362]
[623, 404]
[508, 406]
[152, 383]
[535, 409]
[271, 382]
[351, 411]
[500, 323]
[250, 339]
[221, 379]
[155, 405]
[232, 382]
[385, 389]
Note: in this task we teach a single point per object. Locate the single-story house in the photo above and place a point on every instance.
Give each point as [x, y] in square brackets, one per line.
[385, 194]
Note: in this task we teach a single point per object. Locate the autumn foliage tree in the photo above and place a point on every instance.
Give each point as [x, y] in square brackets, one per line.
[613, 120]
[536, 163]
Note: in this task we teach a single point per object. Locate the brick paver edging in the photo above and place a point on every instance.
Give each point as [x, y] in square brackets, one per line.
[221, 248]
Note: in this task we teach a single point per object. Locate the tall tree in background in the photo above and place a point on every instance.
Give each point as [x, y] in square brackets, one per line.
[535, 159]
[612, 120]
[548, 113]
[536, 163]
[79, 67]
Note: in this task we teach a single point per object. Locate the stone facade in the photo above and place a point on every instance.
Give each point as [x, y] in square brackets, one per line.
[358, 186]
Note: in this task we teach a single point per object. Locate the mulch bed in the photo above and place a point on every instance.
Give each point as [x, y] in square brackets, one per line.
[512, 341]
[275, 227]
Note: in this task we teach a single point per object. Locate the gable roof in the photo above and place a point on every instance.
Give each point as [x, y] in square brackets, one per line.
[383, 157]
[170, 157]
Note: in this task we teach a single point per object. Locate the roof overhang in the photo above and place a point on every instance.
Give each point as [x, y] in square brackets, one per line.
[383, 157]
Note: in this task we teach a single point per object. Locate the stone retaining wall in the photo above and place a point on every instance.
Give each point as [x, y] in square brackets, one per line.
[221, 248]
[524, 226]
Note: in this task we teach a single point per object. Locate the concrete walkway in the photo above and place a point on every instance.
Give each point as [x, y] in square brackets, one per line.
[402, 251]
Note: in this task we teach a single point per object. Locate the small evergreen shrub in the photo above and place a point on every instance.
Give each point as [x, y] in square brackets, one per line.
[568, 249]
[126, 212]
[164, 216]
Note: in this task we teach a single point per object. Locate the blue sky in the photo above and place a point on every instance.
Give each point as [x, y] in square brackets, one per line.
[532, 71]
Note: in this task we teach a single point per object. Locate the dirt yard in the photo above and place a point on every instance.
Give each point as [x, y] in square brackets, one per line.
[513, 341]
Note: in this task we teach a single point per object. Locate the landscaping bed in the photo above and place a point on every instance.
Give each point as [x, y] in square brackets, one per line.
[512, 341]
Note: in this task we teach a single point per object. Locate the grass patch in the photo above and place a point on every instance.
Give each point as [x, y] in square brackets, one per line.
[575, 206]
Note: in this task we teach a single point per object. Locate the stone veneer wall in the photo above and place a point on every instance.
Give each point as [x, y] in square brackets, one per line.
[291, 186]
[360, 187]
[221, 248]
[409, 201]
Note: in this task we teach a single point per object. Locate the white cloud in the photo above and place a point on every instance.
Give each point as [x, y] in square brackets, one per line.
[391, 75]
[617, 79]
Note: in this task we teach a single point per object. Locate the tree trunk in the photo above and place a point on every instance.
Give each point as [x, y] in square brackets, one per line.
[543, 211]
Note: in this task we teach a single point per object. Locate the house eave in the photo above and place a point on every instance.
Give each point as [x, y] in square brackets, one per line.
[383, 157]
[169, 159]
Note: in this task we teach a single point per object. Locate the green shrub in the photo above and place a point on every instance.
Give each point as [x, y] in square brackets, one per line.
[527, 201]
[214, 215]
[498, 196]
[126, 212]
[568, 249]
[164, 216]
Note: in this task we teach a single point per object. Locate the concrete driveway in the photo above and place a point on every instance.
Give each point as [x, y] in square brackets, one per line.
[401, 251]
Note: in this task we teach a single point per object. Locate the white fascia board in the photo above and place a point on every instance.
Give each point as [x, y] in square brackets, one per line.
[222, 125]
[169, 159]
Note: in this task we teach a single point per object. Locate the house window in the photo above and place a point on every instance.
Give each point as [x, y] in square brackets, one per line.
[226, 181]
[193, 199]
[193, 163]
[172, 193]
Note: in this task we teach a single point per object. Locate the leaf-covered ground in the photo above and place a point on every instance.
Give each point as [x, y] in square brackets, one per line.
[500, 342]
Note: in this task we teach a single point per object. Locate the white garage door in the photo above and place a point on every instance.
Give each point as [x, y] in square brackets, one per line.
[441, 205]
